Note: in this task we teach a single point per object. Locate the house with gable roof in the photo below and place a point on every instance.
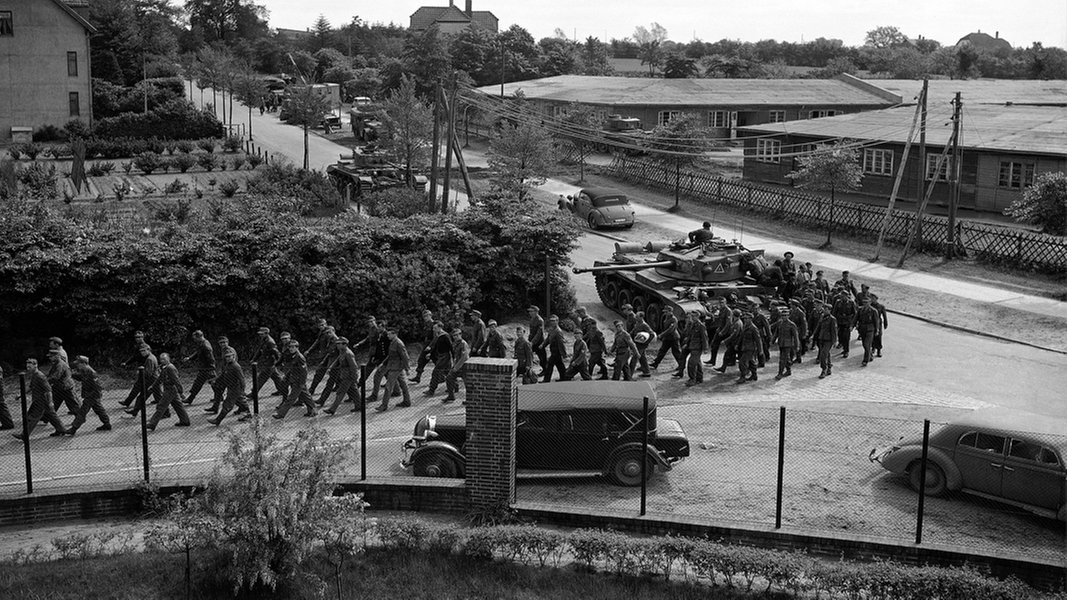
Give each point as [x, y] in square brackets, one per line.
[450, 19]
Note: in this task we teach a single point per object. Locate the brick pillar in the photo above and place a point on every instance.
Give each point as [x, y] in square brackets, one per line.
[492, 394]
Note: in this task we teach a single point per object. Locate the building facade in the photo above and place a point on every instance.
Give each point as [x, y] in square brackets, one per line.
[44, 65]
[451, 20]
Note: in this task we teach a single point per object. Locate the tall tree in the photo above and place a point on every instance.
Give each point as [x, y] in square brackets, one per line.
[427, 60]
[476, 52]
[522, 56]
[679, 66]
[593, 58]
[306, 109]
[226, 20]
[649, 42]
[128, 34]
[830, 167]
[250, 89]
[521, 156]
[680, 142]
[579, 124]
[885, 37]
[559, 56]
[409, 126]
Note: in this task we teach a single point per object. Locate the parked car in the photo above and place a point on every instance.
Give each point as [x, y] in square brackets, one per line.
[600, 207]
[577, 428]
[1012, 457]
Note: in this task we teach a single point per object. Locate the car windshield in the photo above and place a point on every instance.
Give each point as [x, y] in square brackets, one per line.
[602, 201]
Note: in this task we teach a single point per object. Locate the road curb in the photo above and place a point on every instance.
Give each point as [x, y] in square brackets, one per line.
[974, 331]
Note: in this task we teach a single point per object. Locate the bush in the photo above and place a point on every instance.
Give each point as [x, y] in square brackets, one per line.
[49, 133]
[399, 202]
[177, 119]
[148, 162]
[184, 146]
[208, 161]
[206, 145]
[232, 143]
[237, 163]
[175, 187]
[183, 162]
[254, 160]
[100, 169]
[310, 189]
[38, 181]
[76, 129]
[229, 188]
[15, 151]
[32, 150]
[127, 166]
[60, 151]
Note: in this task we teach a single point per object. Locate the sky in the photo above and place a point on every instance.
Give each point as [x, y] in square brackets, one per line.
[1021, 22]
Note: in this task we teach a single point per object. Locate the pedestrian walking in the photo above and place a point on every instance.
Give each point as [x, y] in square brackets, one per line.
[460, 353]
[91, 394]
[848, 285]
[643, 335]
[764, 327]
[203, 358]
[266, 355]
[824, 335]
[41, 407]
[718, 329]
[730, 339]
[579, 359]
[494, 343]
[296, 381]
[55, 343]
[396, 365]
[150, 378]
[233, 381]
[877, 345]
[5, 415]
[441, 356]
[132, 362]
[171, 390]
[623, 348]
[799, 318]
[598, 346]
[696, 343]
[557, 349]
[537, 337]
[869, 324]
[669, 339]
[59, 377]
[749, 349]
[218, 387]
[428, 337]
[321, 353]
[377, 359]
[478, 331]
[345, 374]
[524, 357]
[844, 312]
[787, 335]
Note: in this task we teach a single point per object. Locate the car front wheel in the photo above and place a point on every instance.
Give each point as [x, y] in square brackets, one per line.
[437, 465]
[592, 222]
[626, 468]
[936, 484]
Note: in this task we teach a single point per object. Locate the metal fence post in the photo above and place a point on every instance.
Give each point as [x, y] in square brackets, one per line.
[922, 482]
[144, 422]
[644, 458]
[781, 468]
[26, 434]
[363, 422]
[255, 389]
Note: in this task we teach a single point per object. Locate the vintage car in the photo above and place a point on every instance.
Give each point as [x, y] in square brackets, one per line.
[1008, 456]
[600, 207]
[582, 428]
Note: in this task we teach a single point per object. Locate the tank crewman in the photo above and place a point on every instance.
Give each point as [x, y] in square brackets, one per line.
[478, 332]
[494, 343]
[789, 265]
[55, 343]
[461, 351]
[716, 325]
[579, 359]
[764, 327]
[441, 356]
[641, 342]
[41, 402]
[524, 356]
[885, 324]
[59, 377]
[847, 283]
[537, 336]
[203, 358]
[396, 366]
[800, 319]
[233, 382]
[345, 374]
[171, 387]
[869, 324]
[696, 343]
[91, 394]
[668, 340]
[824, 335]
[701, 236]
[218, 387]
[787, 335]
[844, 311]
[749, 347]
[428, 337]
[623, 348]
[557, 349]
[730, 339]
[321, 353]
[5, 414]
[265, 356]
[598, 346]
[772, 276]
[296, 382]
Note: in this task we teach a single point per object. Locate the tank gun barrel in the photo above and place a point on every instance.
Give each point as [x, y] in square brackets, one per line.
[633, 267]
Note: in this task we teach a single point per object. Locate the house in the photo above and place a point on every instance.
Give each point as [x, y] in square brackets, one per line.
[985, 42]
[1004, 146]
[294, 35]
[726, 104]
[450, 19]
[44, 65]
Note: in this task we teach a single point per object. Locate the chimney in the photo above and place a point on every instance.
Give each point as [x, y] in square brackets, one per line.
[469, 11]
[451, 3]
[997, 35]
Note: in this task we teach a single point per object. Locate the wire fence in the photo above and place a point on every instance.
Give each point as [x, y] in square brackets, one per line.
[987, 242]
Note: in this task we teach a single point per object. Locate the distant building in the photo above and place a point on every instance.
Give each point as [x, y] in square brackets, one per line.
[294, 35]
[44, 65]
[450, 19]
[985, 42]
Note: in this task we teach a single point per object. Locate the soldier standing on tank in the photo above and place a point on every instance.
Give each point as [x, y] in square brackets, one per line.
[478, 332]
[427, 341]
[494, 343]
[579, 359]
[441, 356]
[59, 377]
[296, 381]
[203, 358]
[696, 343]
[537, 337]
[557, 347]
[787, 334]
[623, 348]
[91, 394]
[825, 334]
[749, 347]
[885, 323]
[668, 340]
[171, 387]
[598, 346]
[41, 404]
[641, 358]
[869, 324]
[524, 357]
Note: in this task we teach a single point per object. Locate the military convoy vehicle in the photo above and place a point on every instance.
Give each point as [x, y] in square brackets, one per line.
[369, 169]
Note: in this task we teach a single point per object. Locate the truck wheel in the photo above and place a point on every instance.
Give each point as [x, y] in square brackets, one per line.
[436, 464]
[625, 468]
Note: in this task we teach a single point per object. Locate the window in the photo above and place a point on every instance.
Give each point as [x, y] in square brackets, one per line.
[665, 116]
[777, 116]
[75, 105]
[878, 162]
[7, 26]
[537, 420]
[931, 166]
[983, 441]
[72, 64]
[1030, 451]
[818, 114]
[769, 151]
[718, 118]
[1016, 175]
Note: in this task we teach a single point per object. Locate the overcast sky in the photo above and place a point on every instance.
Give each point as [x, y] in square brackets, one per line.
[1021, 22]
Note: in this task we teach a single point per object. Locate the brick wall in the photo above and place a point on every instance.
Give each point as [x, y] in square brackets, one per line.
[492, 394]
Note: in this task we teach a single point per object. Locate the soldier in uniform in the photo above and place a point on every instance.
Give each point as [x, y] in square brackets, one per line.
[461, 351]
[787, 334]
[5, 414]
[701, 236]
[717, 324]
[203, 358]
[822, 285]
[396, 366]
[557, 349]
[151, 377]
[800, 320]
[218, 387]
[91, 395]
[579, 359]
[441, 356]
[598, 346]
[59, 377]
[133, 361]
[233, 382]
[824, 334]
[847, 283]
[537, 336]
[172, 392]
[427, 340]
[668, 340]
[345, 374]
[265, 356]
[877, 345]
[749, 347]
[322, 352]
[494, 343]
[478, 332]
[623, 348]
[730, 338]
[41, 404]
[869, 324]
[844, 311]
[764, 327]
[641, 358]
[696, 343]
[55, 343]
[524, 357]
[296, 381]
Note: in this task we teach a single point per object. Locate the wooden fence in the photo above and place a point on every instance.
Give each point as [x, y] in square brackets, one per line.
[987, 242]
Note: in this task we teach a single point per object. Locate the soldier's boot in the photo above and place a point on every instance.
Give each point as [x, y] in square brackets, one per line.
[217, 420]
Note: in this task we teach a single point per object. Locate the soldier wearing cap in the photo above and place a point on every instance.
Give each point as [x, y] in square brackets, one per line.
[266, 355]
[494, 343]
[203, 358]
[478, 332]
[696, 343]
[345, 374]
[669, 339]
[218, 386]
[865, 292]
[524, 356]
[847, 283]
[41, 404]
[537, 336]
[824, 334]
[749, 347]
[91, 394]
[133, 361]
[378, 356]
[5, 414]
[55, 343]
[296, 381]
[557, 347]
[844, 311]
[821, 284]
[396, 365]
[233, 381]
[171, 387]
[460, 354]
[428, 337]
[59, 377]
[640, 326]
[877, 345]
[441, 356]
[322, 352]
[701, 236]
[151, 378]
[869, 324]
[598, 346]
[730, 340]
[787, 335]
[764, 327]
[623, 348]
[579, 359]
[286, 354]
[718, 329]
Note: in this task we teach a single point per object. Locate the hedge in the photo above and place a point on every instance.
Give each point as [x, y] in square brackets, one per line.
[174, 120]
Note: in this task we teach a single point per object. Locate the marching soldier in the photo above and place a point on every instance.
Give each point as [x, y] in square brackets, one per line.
[427, 341]
[668, 340]
[696, 343]
[203, 358]
[55, 343]
[641, 342]
[322, 351]
[478, 333]
[787, 334]
[396, 365]
[524, 357]
[345, 374]
[233, 382]
[824, 334]
[749, 347]
[594, 340]
[441, 356]
[877, 345]
[91, 395]
[537, 337]
[296, 381]
[172, 393]
[133, 361]
[59, 377]
[579, 359]
[218, 387]
[623, 348]
[460, 353]
[41, 405]
[265, 356]
[844, 312]
[557, 349]
[151, 377]
[869, 324]
[494, 343]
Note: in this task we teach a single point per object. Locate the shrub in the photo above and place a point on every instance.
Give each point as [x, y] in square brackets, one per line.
[49, 133]
[148, 162]
[39, 181]
[32, 150]
[206, 145]
[155, 145]
[15, 150]
[183, 162]
[229, 188]
[184, 146]
[207, 161]
[232, 143]
[400, 202]
[175, 187]
[237, 163]
[127, 166]
[254, 160]
[176, 119]
[76, 129]
[61, 151]
[100, 169]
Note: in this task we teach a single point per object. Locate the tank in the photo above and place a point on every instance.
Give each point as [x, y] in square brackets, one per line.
[369, 169]
[677, 276]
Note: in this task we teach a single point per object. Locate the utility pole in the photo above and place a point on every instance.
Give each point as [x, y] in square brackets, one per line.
[954, 193]
[502, 63]
[435, 154]
[923, 169]
[144, 78]
[450, 128]
[900, 174]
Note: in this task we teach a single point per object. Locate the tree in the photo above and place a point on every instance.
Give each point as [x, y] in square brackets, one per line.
[580, 122]
[225, 20]
[426, 60]
[343, 530]
[885, 37]
[559, 56]
[409, 126]
[830, 167]
[323, 32]
[680, 142]
[476, 51]
[593, 58]
[306, 109]
[128, 33]
[521, 156]
[1044, 203]
[679, 66]
[250, 89]
[648, 43]
[522, 55]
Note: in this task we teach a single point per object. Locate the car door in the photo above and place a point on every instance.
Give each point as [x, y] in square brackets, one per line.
[536, 435]
[583, 440]
[980, 458]
[1033, 474]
